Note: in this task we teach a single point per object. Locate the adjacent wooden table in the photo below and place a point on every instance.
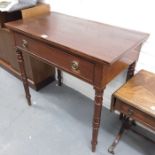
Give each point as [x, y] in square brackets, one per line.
[136, 101]
[91, 51]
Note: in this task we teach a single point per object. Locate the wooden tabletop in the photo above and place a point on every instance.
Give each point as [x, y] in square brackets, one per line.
[97, 41]
[139, 92]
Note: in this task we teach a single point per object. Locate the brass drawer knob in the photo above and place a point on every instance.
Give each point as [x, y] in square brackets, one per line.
[24, 43]
[75, 65]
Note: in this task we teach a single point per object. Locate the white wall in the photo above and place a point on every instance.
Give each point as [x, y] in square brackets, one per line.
[132, 14]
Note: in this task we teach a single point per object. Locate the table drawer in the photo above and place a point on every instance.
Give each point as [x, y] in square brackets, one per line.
[73, 64]
[134, 113]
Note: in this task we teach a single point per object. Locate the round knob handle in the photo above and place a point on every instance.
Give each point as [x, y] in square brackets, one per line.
[24, 43]
[75, 65]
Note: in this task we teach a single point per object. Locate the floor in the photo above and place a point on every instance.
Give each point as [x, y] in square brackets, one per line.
[58, 123]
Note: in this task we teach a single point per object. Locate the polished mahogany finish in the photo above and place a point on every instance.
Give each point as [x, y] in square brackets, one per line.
[53, 55]
[106, 43]
[135, 100]
[91, 51]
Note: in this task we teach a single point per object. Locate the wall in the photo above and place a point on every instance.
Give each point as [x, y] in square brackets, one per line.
[132, 14]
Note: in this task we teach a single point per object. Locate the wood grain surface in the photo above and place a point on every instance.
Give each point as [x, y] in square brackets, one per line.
[139, 92]
[100, 42]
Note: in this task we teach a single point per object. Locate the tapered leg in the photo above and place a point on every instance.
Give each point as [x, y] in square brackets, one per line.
[59, 77]
[97, 116]
[23, 75]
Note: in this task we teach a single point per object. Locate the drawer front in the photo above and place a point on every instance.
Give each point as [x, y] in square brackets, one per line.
[134, 113]
[73, 64]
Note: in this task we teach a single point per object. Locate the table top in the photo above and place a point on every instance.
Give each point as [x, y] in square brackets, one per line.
[97, 41]
[139, 92]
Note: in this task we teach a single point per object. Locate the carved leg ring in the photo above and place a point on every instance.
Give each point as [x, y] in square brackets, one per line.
[97, 116]
[23, 75]
[59, 77]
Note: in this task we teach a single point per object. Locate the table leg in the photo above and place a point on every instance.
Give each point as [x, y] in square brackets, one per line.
[121, 116]
[125, 125]
[23, 75]
[131, 70]
[97, 116]
[130, 74]
[59, 77]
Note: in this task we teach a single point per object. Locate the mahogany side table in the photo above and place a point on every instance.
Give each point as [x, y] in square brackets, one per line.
[91, 51]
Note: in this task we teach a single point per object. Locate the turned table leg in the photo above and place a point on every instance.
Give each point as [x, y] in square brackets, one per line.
[23, 75]
[97, 116]
[130, 74]
[131, 70]
[59, 76]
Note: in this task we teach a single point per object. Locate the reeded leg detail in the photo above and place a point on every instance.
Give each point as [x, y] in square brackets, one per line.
[59, 77]
[23, 75]
[97, 116]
